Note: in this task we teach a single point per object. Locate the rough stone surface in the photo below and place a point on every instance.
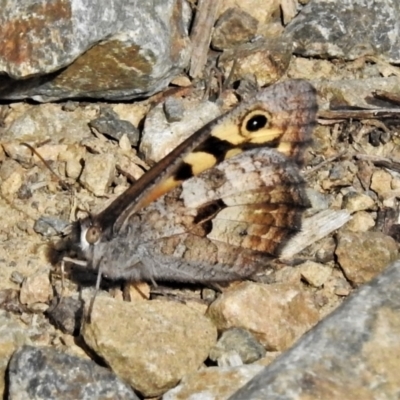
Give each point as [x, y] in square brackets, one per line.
[275, 314]
[160, 137]
[348, 29]
[361, 221]
[381, 183]
[233, 27]
[173, 109]
[354, 201]
[214, 383]
[13, 335]
[151, 345]
[36, 289]
[315, 274]
[98, 173]
[363, 255]
[266, 59]
[110, 49]
[43, 373]
[108, 123]
[353, 354]
[262, 10]
[240, 341]
[66, 314]
[353, 92]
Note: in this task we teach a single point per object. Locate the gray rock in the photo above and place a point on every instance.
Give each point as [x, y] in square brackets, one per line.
[49, 226]
[242, 342]
[43, 373]
[108, 123]
[160, 137]
[348, 29]
[66, 314]
[114, 50]
[13, 335]
[353, 354]
[173, 109]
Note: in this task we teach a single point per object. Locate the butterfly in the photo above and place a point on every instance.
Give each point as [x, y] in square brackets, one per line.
[219, 206]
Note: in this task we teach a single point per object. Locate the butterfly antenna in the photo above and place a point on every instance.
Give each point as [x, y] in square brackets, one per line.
[63, 184]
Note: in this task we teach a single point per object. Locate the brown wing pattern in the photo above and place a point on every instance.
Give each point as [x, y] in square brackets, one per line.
[281, 116]
[217, 229]
[217, 207]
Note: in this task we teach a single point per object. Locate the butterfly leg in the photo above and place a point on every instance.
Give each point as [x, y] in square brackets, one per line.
[98, 282]
[63, 261]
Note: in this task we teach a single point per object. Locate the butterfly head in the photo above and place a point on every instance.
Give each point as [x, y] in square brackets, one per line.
[90, 233]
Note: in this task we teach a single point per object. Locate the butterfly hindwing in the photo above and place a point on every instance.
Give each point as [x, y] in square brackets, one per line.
[214, 229]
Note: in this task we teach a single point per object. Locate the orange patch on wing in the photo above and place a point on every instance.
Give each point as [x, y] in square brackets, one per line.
[159, 190]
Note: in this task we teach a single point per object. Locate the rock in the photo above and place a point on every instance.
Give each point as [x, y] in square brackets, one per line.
[341, 174]
[208, 295]
[354, 201]
[151, 345]
[108, 123]
[352, 92]
[353, 354]
[49, 226]
[173, 109]
[318, 200]
[276, 314]
[13, 335]
[381, 183]
[73, 161]
[10, 186]
[66, 314]
[347, 29]
[36, 288]
[266, 59]
[9, 300]
[361, 221]
[98, 173]
[12, 177]
[37, 124]
[269, 357]
[288, 275]
[289, 10]
[363, 255]
[234, 27]
[321, 145]
[43, 373]
[213, 383]
[262, 10]
[160, 137]
[100, 50]
[326, 249]
[314, 273]
[240, 341]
